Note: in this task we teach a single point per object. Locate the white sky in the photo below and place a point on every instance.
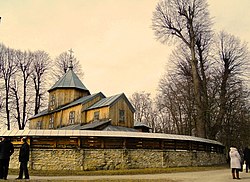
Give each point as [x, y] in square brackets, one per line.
[112, 39]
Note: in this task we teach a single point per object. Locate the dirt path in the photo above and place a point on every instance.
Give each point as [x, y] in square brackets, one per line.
[223, 175]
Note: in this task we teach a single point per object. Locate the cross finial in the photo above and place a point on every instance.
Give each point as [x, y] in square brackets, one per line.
[71, 52]
[70, 59]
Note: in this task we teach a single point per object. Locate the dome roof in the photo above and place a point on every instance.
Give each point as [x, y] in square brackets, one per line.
[69, 80]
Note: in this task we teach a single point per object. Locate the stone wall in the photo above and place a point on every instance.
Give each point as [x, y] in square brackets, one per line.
[107, 159]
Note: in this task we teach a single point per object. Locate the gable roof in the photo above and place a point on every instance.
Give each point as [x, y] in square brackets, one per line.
[87, 126]
[109, 101]
[102, 125]
[95, 125]
[81, 100]
[69, 80]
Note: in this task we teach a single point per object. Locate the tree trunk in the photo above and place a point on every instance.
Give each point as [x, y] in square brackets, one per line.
[200, 123]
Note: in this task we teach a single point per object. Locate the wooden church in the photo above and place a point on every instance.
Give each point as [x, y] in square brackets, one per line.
[72, 107]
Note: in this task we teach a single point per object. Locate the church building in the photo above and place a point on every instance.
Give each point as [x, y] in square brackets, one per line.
[72, 107]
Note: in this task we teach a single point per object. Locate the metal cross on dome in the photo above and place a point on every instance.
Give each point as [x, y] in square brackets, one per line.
[70, 59]
[71, 52]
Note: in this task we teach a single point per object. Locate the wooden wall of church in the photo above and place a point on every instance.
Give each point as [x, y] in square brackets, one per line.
[114, 114]
[43, 119]
[64, 119]
[65, 96]
[86, 117]
[103, 114]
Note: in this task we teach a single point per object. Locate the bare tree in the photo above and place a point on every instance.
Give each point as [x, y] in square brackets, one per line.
[164, 124]
[16, 97]
[176, 99]
[8, 69]
[145, 109]
[236, 122]
[232, 61]
[186, 21]
[62, 63]
[41, 65]
[24, 62]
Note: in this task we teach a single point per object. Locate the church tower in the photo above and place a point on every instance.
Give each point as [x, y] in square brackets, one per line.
[67, 89]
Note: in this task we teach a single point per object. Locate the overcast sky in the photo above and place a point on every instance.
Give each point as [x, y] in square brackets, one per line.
[112, 39]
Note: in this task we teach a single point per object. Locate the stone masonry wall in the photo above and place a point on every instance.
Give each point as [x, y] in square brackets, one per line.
[107, 159]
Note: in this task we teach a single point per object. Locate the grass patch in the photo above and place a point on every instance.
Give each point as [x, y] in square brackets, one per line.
[104, 180]
[118, 172]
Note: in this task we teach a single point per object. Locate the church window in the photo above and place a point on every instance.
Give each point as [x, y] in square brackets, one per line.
[51, 122]
[121, 115]
[96, 115]
[39, 125]
[72, 117]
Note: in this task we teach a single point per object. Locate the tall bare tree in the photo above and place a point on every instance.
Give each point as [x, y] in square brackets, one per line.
[8, 68]
[41, 65]
[15, 93]
[25, 70]
[185, 21]
[232, 60]
[175, 97]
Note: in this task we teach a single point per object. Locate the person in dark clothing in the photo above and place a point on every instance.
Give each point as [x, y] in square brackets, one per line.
[247, 158]
[6, 150]
[23, 159]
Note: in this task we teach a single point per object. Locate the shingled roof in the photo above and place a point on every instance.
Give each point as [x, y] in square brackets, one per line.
[69, 80]
[108, 101]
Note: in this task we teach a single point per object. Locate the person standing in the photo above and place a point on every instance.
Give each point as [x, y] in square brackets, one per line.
[23, 159]
[6, 150]
[235, 162]
[247, 158]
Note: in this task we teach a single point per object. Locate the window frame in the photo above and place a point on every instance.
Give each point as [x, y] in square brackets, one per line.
[96, 116]
[51, 122]
[52, 100]
[39, 125]
[72, 117]
[121, 115]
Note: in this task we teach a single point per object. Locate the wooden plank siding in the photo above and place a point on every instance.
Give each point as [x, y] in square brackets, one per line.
[65, 96]
[64, 142]
[65, 116]
[103, 114]
[44, 122]
[121, 104]
[93, 142]
[91, 102]
[84, 116]
[61, 118]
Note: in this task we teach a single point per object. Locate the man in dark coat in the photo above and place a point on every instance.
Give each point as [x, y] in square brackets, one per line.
[23, 159]
[6, 150]
[247, 158]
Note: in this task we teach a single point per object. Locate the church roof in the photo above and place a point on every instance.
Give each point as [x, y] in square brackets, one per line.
[102, 125]
[108, 101]
[69, 80]
[88, 126]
